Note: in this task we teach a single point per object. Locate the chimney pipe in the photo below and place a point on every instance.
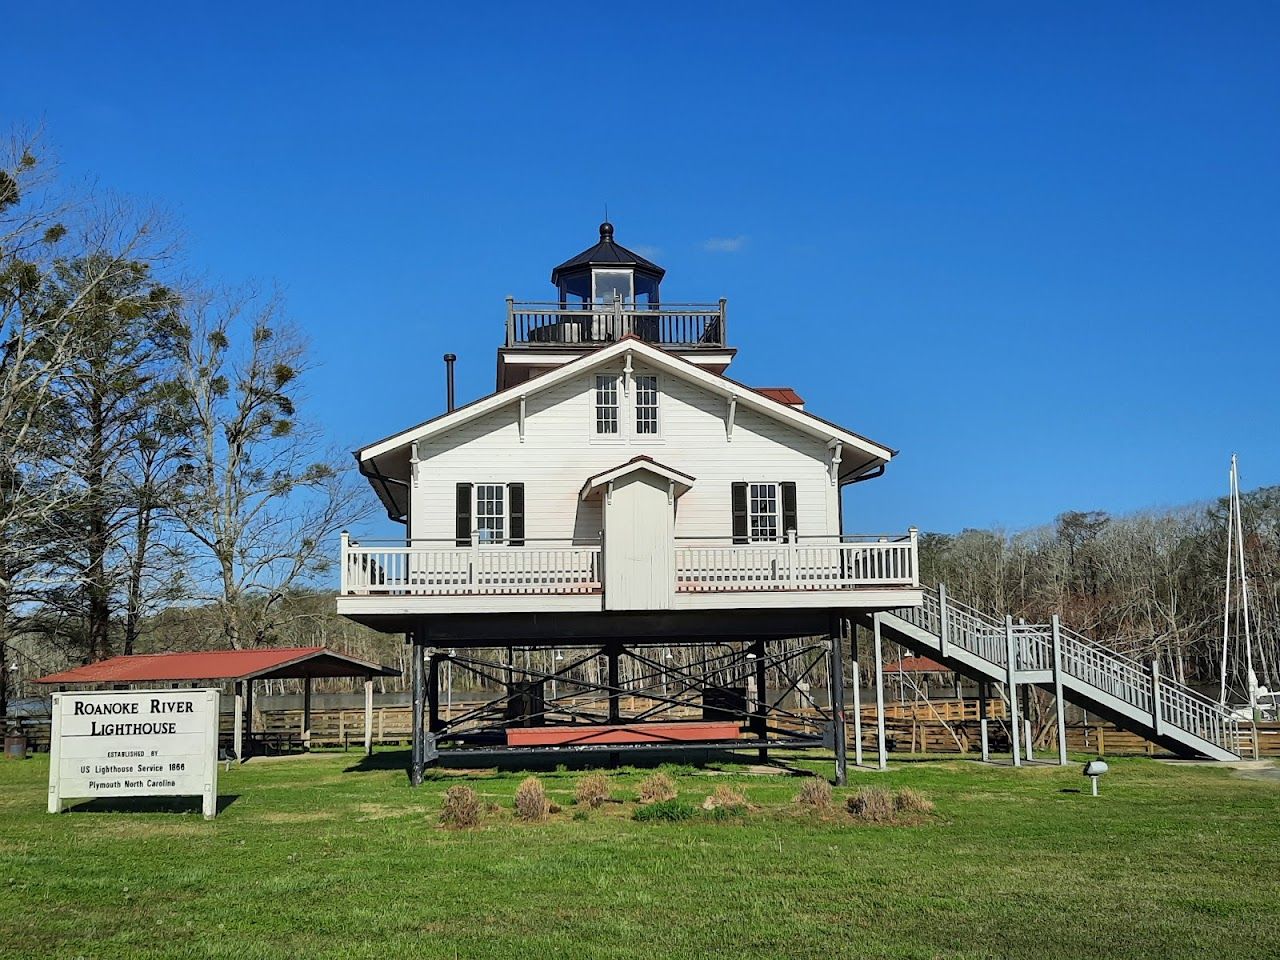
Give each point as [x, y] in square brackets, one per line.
[449, 358]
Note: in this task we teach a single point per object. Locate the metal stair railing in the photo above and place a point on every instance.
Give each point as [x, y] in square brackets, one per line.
[1084, 659]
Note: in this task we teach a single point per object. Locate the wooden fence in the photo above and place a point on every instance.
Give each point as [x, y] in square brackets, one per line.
[944, 726]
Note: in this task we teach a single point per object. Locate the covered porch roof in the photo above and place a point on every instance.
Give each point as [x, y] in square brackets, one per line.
[681, 482]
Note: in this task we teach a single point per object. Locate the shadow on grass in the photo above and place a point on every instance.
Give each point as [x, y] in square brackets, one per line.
[149, 804]
[546, 761]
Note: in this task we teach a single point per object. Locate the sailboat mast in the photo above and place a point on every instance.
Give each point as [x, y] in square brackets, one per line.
[1226, 600]
[1251, 678]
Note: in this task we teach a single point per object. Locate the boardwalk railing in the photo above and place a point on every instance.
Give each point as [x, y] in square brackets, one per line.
[1138, 685]
[441, 568]
[668, 324]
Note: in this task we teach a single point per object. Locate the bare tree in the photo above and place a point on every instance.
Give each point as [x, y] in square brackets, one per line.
[262, 498]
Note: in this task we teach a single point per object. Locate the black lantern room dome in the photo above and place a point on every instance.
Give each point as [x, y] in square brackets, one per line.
[606, 273]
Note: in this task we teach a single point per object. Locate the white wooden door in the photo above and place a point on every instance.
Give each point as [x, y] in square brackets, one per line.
[639, 544]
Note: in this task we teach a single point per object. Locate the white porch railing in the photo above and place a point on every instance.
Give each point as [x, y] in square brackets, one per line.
[843, 564]
[441, 568]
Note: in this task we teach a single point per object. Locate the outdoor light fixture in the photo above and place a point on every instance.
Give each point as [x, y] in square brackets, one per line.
[1093, 770]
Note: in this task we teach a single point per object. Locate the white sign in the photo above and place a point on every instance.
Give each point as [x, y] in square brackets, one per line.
[135, 743]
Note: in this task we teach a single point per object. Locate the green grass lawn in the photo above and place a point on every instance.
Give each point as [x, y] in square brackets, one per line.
[319, 856]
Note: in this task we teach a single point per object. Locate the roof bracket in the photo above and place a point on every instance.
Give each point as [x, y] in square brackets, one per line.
[730, 413]
[836, 448]
[413, 463]
[627, 370]
[522, 413]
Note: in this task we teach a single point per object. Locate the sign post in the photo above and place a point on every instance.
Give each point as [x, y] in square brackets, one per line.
[134, 743]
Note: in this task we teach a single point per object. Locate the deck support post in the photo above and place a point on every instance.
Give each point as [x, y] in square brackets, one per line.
[306, 713]
[836, 673]
[418, 684]
[433, 691]
[760, 718]
[855, 678]
[615, 691]
[883, 759]
[237, 744]
[1011, 663]
[368, 717]
[986, 744]
[1057, 692]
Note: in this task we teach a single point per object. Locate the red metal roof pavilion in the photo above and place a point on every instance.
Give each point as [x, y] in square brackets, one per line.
[261, 663]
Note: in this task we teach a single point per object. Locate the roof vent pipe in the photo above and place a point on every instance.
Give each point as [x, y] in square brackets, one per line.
[449, 359]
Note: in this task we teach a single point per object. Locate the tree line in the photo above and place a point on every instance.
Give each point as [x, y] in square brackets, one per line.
[153, 456]
[1151, 584]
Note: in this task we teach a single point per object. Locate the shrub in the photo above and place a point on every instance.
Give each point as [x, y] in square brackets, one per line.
[531, 801]
[873, 804]
[592, 790]
[667, 811]
[815, 793]
[657, 788]
[727, 799]
[907, 800]
[462, 808]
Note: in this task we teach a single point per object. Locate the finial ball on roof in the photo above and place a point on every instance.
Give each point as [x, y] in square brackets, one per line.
[606, 232]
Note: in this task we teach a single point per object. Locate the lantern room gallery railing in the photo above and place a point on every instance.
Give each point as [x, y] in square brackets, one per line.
[563, 567]
[685, 325]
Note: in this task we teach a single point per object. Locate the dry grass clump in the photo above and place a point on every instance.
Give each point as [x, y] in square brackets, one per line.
[657, 788]
[462, 808]
[532, 805]
[815, 793]
[907, 800]
[726, 798]
[592, 791]
[873, 804]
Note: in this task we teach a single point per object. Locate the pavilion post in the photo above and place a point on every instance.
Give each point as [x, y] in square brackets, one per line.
[368, 717]
[883, 758]
[306, 713]
[238, 736]
[248, 710]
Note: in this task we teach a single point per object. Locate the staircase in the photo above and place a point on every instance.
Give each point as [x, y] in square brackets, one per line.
[1130, 694]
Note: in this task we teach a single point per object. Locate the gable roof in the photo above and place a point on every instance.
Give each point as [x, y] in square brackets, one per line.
[261, 662]
[873, 453]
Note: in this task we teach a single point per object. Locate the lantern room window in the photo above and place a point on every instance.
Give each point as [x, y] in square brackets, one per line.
[612, 286]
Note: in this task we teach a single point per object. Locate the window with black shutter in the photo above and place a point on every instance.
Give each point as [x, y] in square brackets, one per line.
[515, 514]
[462, 513]
[739, 513]
[788, 509]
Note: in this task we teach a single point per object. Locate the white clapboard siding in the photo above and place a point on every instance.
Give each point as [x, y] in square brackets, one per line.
[560, 451]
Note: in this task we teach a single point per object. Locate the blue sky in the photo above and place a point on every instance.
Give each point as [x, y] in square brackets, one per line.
[1033, 247]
